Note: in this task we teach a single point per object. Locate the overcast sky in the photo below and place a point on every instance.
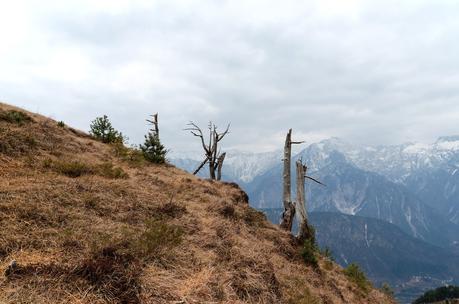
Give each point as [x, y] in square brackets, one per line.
[372, 72]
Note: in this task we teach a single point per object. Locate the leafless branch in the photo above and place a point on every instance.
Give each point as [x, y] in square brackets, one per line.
[315, 180]
[200, 166]
[196, 131]
[221, 135]
[214, 157]
[297, 142]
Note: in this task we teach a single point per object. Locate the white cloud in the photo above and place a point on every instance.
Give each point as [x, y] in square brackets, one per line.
[369, 71]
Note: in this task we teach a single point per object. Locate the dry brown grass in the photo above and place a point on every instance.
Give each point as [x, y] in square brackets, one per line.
[157, 235]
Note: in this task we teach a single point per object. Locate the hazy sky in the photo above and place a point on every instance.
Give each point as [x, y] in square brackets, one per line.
[367, 71]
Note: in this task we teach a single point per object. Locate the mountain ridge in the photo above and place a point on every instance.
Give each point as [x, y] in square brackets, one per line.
[351, 190]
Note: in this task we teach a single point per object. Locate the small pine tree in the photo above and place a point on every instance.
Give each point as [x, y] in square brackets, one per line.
[308, 252]
[328, 253]
[385, 288]
[355, 274]
[102, 129]
[153, 150]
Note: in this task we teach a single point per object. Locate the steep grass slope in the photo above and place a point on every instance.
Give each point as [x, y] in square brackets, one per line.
[87, 222]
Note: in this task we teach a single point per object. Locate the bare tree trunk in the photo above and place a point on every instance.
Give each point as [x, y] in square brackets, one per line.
[155, 119]
[220, 161]
[154, 122]
[304, 232]
[287, 195]
[289, 206]
[211, 170]
[287, 217]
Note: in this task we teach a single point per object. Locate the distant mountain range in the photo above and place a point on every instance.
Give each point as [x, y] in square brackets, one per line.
[414, 186]
[352, 190]
[240, 167]
[408, 194]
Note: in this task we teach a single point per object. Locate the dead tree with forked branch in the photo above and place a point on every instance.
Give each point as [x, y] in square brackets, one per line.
[289, 205]
[299, 207]
[213, 156]
[154, 123]
[305, 231]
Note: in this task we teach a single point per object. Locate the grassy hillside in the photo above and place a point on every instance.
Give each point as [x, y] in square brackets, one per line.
[87, 222]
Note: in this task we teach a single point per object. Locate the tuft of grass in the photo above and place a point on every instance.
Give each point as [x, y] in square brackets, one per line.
[110, 171]
[76, 168]
[155, 241]
[113, 274]
[15, 142]
[241, 279]
[240, 197]
[157, 237]
[299, 294]
[69, 240]
[308, 252]
[132, 156]
[16, 117]
[90, 201]
[356, 275]
[328, 265]
[61, 124]
[228, 211]
[254, 217]
[169, 210]
[248, 215]
[72, 168]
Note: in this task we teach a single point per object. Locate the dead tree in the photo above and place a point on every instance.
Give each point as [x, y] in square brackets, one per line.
[213, 156]
[220, 161]
[289, 205]
[154, 123]
[304, 232]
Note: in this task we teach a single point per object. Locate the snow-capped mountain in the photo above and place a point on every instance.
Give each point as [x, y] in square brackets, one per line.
[239, 166]
[429, 171]
[245, 166]
[351, 190]
[396, 162]
[399, 161]
[412, 185]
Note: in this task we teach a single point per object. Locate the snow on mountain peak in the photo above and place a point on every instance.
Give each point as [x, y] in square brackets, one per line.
[395, 162]
[448, 138]
[247, 165]
[448, 145]
[416, 148]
